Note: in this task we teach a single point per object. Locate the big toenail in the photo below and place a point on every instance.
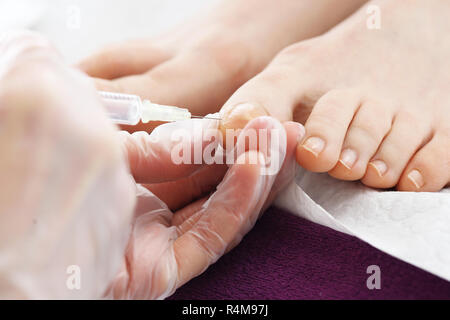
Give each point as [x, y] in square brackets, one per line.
[348, 158]
[379, 166]
[416, 178]
[314, 145]
[238, 116]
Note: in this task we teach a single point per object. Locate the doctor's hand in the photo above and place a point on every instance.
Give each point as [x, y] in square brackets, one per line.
[168, 247]
[66, 195]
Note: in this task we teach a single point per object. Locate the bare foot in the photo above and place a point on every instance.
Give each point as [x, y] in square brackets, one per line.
[376, 102]
[202, 62]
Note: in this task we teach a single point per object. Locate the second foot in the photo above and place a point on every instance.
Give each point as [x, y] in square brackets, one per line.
[375, 103]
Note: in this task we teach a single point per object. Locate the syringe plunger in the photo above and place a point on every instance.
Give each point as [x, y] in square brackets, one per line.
[130, 109]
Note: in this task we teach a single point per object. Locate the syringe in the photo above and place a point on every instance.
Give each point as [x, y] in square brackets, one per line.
[129, 109]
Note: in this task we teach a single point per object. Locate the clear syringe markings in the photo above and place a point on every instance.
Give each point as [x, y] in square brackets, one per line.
[129, 109]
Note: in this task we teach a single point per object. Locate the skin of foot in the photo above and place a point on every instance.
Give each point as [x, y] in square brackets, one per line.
[375, 102]
[202, 62]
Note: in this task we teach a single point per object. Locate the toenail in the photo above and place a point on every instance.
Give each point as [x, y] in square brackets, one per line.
[314, 145]
[238, 116]
[348, 158]
[416, 177]
[242, 110]
[379, 166]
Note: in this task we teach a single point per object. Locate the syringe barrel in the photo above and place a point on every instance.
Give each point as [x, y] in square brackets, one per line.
[122, 108]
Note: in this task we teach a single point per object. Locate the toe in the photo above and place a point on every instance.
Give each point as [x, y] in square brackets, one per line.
[365, 134]
[407, 135]
[429, 169]
[326, 128]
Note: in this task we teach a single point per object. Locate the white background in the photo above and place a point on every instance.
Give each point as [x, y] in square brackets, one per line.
[101, 21]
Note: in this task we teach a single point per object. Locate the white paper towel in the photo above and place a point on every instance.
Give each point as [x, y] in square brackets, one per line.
[414, 227]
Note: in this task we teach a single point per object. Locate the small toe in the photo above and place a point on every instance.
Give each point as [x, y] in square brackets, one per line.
[429, 169]
[407, 135]
[326, 128]
[367, 130]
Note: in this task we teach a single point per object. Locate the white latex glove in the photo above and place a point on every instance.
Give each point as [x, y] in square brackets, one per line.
[66, 197]
[165, 249]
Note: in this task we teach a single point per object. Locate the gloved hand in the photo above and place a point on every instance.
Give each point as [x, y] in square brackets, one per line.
[168, 249]
[66, 197]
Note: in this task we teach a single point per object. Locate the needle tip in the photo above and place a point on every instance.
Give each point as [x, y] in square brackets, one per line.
[206, 118]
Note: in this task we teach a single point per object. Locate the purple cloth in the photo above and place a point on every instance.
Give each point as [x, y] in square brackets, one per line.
[286, 257]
